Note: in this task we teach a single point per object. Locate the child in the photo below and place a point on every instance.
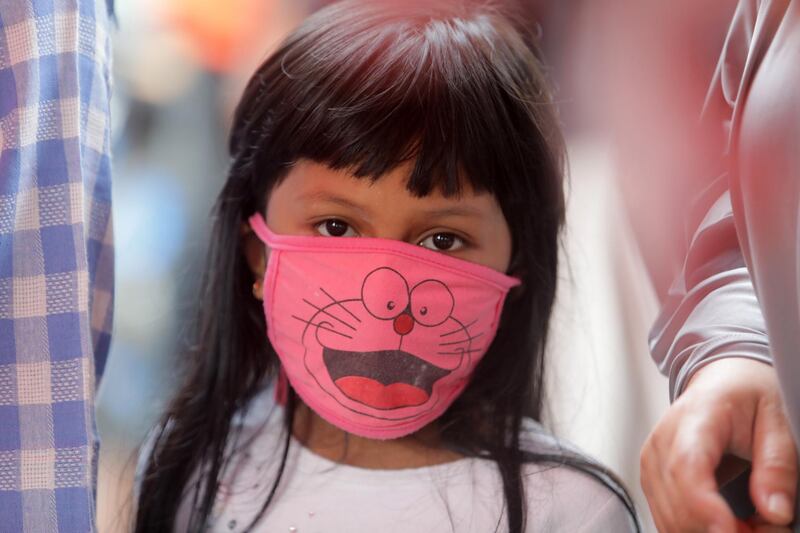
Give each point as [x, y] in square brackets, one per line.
[376, 305]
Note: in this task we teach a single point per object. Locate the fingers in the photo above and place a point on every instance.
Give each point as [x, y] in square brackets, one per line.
[653, 484]
[730, 406]
[677, 468]
[773, 482]
[697, 450]
[758, 525]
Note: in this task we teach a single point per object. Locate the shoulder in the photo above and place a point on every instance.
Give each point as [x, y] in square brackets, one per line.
[564, 498]
[567, 490]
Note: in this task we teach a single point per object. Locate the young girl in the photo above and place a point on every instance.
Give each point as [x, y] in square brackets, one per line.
[374, 315]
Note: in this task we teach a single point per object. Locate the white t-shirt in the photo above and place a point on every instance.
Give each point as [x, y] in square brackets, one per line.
[317, 495]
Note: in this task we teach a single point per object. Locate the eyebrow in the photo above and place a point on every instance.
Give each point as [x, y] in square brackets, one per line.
[455, 211]
[452, 211]
[332, 198]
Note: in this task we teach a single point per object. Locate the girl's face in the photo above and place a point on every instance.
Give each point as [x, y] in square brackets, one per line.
[400, 319]
[313, 199]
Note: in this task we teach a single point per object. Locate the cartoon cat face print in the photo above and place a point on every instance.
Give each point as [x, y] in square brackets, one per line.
[388, 351]
[377, 336]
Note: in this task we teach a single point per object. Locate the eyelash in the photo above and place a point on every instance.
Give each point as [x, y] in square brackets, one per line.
[459, 242]
[324, 223]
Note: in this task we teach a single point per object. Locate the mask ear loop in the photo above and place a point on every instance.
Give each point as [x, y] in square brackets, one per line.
[259, 227]
[281, 387]
[282, 382]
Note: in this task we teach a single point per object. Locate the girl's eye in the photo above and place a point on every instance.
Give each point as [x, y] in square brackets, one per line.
[333, 227]
[443, 242]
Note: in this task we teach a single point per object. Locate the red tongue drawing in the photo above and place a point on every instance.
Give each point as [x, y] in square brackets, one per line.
[380, 396]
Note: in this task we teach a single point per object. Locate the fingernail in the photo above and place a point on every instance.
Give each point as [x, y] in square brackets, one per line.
[716, 528]
[780, 505]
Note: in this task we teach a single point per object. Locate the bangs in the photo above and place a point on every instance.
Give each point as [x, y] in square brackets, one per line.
[369, 86]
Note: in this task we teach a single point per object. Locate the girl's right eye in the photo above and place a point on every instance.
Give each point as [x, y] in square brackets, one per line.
[333, 227]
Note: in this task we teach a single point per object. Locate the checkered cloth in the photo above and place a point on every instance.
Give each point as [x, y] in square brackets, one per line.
[56, 258]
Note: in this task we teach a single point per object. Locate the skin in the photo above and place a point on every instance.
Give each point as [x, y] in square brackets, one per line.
[306, 200]
[731, 406]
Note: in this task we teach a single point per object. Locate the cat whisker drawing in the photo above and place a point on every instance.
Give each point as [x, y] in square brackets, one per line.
[339, 303]
[469, 338]
[322, 326]
[461, 351]
[325, 311]
[460, 329]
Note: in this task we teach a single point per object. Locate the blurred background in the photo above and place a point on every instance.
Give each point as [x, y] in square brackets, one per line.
[631, 78]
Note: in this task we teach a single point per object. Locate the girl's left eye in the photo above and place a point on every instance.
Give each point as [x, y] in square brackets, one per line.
[443, 242]
[333, 227]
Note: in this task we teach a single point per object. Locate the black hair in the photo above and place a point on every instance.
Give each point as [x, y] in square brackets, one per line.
[453, 87]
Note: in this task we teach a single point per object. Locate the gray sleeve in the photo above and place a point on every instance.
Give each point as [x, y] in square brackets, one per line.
[711, 311]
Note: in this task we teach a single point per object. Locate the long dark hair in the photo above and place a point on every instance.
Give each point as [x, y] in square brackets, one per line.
[454, 87]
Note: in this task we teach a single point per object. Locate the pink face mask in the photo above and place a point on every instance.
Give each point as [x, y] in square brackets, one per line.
[377, 336]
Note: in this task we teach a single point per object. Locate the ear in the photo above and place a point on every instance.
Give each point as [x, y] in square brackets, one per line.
[253, 250]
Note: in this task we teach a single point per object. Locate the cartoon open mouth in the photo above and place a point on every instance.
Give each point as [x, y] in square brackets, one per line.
[384, 379]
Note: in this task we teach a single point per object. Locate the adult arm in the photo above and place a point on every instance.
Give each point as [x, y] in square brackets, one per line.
[711, 341]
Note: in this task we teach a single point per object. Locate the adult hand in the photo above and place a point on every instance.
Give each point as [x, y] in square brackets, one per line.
[731, 406]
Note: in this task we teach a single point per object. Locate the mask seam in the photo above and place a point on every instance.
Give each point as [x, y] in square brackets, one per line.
[449, 268]
[355, 247]
[331, 416]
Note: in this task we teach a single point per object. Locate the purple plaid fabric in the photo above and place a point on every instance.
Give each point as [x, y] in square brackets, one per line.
[56, 258]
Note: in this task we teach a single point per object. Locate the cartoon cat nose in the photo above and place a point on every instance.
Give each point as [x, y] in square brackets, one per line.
[403, 324]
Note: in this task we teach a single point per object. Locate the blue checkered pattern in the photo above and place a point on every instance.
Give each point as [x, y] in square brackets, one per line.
[56, 258]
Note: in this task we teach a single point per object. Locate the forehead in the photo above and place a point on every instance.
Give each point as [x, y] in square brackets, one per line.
[309, 181]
